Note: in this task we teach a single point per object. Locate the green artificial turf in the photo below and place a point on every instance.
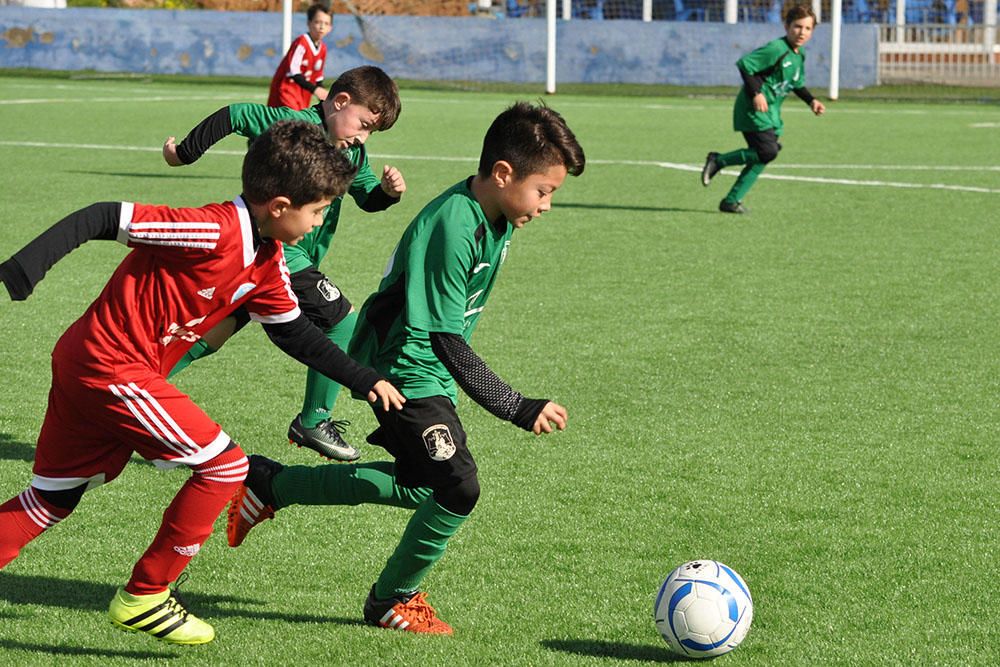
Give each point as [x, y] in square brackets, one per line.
[807, 393]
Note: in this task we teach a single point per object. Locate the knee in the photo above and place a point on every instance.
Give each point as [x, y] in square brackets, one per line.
[461, 498]
[66, 499]
[228, 467]
[768, 153]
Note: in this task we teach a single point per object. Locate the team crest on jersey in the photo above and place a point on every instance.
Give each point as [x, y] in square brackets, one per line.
[241, 292]
[328, 290]
[439, 443]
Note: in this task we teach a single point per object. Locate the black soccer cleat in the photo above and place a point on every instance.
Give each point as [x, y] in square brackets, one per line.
[727, 206]
[710, 169]
[326, 438]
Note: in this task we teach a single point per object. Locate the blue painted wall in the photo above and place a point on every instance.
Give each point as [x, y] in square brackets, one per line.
[249, 44]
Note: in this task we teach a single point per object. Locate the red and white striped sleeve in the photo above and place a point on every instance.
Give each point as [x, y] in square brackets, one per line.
[164, 227]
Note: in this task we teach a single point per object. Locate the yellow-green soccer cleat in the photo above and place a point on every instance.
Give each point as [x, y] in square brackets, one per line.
[162, 615]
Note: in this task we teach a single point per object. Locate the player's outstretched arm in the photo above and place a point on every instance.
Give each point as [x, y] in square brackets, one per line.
[28, 266]
[303, 341]
[487, 389]
[202, 136]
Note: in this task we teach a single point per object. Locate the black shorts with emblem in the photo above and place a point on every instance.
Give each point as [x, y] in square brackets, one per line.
[320, 300]
[428, 442]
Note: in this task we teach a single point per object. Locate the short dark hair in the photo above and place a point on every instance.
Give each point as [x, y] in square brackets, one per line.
[531, 138]
[371, 87]
[796, 12]
[294, 159]
[317, 7]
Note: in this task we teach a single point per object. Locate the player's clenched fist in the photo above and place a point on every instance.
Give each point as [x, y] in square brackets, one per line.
[392, 182]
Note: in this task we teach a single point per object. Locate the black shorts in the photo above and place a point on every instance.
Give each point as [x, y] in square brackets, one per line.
[765, 143]
[319, 298]
[428, 442]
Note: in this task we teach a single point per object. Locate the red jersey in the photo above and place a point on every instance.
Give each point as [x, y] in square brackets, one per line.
[306, 58]
[189, 268]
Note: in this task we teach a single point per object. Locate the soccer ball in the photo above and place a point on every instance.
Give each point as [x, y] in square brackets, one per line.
[703, 609]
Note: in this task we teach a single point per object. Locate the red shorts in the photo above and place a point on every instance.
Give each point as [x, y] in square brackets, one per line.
[92, 426]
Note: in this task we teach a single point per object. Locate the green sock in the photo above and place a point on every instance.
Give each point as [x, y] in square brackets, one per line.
[197, 351]
[744, 182]
[321, 391]
[423, 543]
[345, 484]
[741, 156]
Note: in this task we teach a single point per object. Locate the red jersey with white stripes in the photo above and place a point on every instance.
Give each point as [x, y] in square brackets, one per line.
[304, 57]
[189, 268]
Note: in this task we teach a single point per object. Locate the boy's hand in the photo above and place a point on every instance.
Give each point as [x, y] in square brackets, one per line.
[388, 394]
[320, 93]
[392, 182]
[760, 103]
[817, 107]
[551, 414]
[170, 153]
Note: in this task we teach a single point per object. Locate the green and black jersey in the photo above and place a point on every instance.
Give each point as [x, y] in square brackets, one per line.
[779, 70]
[438, 280]
[252, 120]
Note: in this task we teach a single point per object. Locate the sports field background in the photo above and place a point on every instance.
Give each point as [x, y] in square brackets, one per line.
[808, 393]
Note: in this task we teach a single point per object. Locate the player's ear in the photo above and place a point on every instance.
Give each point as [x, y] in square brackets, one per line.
[502, 173]
[341, 100]
[276, 206]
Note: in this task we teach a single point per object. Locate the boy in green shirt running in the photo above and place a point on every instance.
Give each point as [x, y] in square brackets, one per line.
[769, 74]
[415, 330]
[361, 101]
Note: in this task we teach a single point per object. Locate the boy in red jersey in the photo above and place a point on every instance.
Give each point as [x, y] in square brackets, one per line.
[189, 268]
[300, 74]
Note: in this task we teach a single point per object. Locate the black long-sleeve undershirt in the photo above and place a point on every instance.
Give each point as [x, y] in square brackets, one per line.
[483, 385]
[28, 266]
[308, 85]
[204, 135]
[303, 341]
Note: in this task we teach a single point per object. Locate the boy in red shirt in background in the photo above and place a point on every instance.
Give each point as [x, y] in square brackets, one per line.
[300, 74]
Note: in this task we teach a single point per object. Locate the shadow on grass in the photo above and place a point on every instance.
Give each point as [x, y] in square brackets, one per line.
[11, 450]
[11, 645]
[173, 174]
[90, 596]
[622, 207]
[618, 650]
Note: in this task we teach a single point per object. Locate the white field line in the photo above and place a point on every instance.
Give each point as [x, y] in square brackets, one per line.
[656, 106]
[119, 100]
[639, 163]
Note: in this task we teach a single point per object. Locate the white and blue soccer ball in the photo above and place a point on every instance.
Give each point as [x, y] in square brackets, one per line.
[703, 609]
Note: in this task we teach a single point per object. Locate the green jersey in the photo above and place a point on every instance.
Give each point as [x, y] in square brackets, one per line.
[252, 120]
[782, 71]
[438, 280]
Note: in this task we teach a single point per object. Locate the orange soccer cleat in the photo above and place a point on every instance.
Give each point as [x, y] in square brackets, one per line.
[253, 502]
[409, 612]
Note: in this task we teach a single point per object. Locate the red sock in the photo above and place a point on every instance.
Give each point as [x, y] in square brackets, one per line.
[188, 521]
[22, 519]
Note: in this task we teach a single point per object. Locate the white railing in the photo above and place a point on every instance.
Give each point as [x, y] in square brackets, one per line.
[941, 54]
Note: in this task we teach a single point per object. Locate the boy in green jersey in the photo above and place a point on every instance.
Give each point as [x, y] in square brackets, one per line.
[415, 331]
[769, 74]
[361, 101]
